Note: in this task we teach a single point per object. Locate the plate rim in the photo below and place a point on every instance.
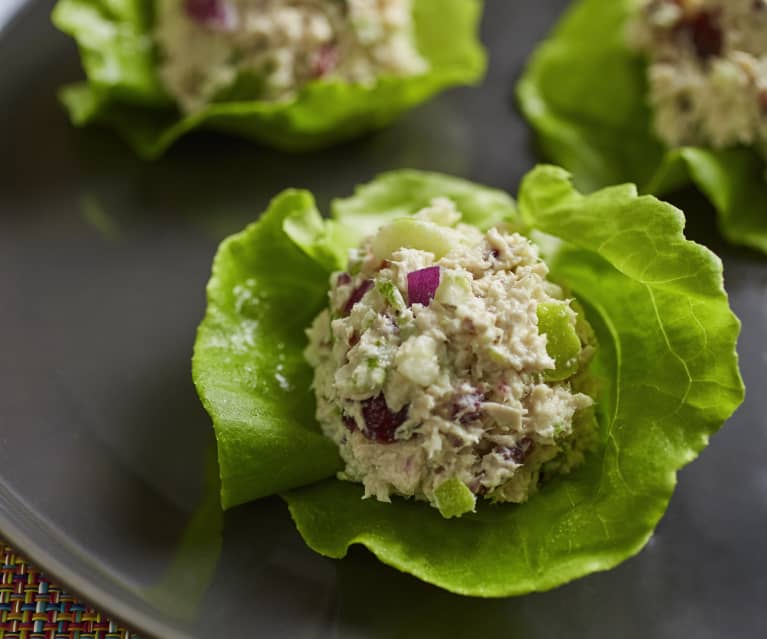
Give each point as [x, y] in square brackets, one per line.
[27, 541]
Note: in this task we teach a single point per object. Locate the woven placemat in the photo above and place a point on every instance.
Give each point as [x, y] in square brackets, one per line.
[33, 608]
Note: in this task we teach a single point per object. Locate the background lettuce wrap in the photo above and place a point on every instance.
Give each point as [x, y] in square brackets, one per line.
[666, 360]
[585, 93]
[123, 89]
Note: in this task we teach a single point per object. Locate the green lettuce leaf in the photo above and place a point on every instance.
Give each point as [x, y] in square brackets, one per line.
[248, 361]
[667, 365]
[123, 90]
[585, 93]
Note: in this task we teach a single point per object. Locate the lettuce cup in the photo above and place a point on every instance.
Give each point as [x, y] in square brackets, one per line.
[494, 397]
[294, 74]
[663, 93]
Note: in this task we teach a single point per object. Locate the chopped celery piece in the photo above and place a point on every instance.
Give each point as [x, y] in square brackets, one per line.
[391, 294]
[454, 289]
[454, 498]
[415, 234]
[556, 321]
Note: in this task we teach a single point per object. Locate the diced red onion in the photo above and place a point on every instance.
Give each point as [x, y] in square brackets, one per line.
[422, 285]
[219, 15]
[357, 294]
[343, 279]
[380, 422]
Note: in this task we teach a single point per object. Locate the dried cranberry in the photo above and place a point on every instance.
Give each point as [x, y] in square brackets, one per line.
[468, 408]
[380, 422]
[514, 454]
[706, 34]
[517, 453]
[763, 99]
[324, 60]
[216, 14]
[349, 422]
[476, 487]
[357, 294]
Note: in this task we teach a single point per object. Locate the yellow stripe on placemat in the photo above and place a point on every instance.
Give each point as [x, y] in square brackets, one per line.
[33, 608]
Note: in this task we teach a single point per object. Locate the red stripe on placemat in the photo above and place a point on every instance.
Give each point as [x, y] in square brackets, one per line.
[33, 608]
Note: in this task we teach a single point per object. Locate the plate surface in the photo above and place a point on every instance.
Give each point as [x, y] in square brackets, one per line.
[107, 479]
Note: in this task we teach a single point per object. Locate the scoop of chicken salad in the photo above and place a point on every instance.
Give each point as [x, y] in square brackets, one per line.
[708, 70]
[269, 49]
[448, 367]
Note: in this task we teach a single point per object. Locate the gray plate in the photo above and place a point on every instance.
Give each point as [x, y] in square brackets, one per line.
[106, 472]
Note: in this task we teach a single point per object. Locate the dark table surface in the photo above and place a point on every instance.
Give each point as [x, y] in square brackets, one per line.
[107, 474]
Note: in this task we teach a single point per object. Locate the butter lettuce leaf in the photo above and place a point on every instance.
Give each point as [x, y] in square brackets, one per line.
[248, 362]
[585, 93]
[667, 368]
[123, 89]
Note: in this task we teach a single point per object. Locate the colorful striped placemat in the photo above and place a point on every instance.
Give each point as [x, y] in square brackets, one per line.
[33, 608]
